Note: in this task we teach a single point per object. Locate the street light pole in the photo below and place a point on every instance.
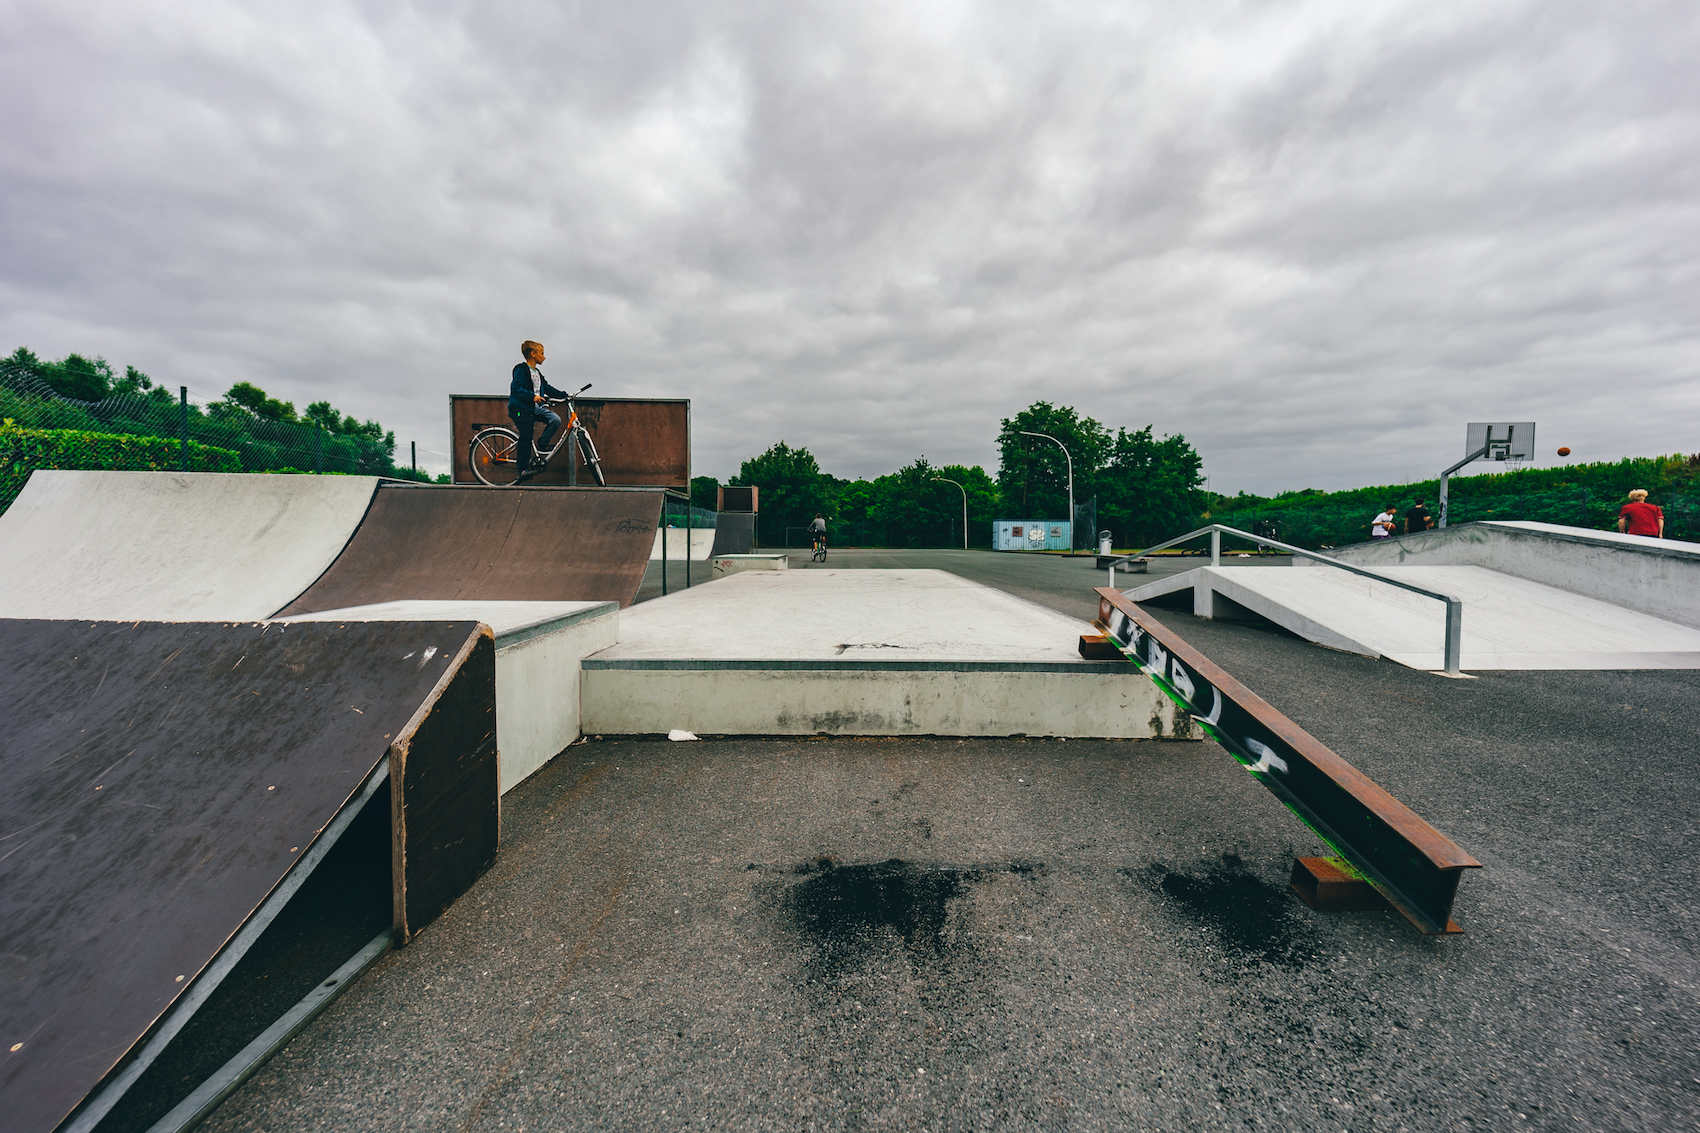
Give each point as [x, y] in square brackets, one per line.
[964, 492]
[1070, 460]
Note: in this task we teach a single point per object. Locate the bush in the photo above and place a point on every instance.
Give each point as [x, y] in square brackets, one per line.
[22, 451]
[1576, 495]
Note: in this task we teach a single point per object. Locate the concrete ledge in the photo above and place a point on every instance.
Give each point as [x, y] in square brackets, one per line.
[737, 564]
[1093, 701]
[538, 649]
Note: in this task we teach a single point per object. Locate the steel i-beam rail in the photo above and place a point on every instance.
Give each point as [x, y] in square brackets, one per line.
[1410, 863]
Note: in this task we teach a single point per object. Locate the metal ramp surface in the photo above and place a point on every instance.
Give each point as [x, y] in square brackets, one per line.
[1509, 623]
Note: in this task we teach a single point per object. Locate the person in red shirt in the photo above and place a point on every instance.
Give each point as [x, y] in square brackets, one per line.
[1638, 517]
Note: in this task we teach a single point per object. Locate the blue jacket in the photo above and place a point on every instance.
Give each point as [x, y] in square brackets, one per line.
[519, 391]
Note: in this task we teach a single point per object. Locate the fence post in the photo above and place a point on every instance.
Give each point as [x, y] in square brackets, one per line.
[319, 450]
[183, 430]
[664, 545]
[413, 448]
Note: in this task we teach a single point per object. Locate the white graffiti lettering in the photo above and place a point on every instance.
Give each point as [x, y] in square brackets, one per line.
[1215, 716]
[1181, 679]
[1266, 759]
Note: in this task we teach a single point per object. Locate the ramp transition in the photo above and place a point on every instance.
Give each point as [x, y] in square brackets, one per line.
[173, 792]
[503, 544]
[1509, 622]
[169, 546]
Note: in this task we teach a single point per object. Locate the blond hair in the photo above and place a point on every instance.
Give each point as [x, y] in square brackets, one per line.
[527, 347]
[1638, 494]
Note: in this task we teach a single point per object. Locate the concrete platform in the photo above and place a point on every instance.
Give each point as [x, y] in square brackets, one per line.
[170, 546]
[862, 652]
[538, 649]
[1509, 623]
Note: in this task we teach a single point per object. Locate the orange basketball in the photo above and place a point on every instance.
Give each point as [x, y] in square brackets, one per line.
[1564, 452]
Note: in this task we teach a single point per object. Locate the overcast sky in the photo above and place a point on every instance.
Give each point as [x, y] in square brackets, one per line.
[1314, 237]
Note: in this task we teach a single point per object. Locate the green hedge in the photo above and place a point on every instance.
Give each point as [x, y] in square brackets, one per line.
[22, 451]
[1577, 495]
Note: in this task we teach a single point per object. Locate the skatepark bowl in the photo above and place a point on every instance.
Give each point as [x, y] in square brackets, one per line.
[347, 806]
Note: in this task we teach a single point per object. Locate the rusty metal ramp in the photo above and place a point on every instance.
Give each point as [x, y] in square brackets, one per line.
[492, 544]
[174, 793]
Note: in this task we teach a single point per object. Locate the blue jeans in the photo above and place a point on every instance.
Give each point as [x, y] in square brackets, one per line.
[525, 422]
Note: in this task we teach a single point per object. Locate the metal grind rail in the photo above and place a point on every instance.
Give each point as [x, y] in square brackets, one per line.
[1410, 863]
[1454, 649]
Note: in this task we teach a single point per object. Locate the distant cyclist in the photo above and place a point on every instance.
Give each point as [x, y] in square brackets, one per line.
[526, 406]
[818, 530]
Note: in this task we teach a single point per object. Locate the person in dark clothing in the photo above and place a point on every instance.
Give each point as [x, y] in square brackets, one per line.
[1417, 519]
[526, 406]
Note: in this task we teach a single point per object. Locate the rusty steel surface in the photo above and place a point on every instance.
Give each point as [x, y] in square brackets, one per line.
[501, 544]
[160, 780]
[643, 442]
[1413, 865]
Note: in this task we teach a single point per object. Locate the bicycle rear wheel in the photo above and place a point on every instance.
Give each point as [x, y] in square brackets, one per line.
[494, 456]
[587, 448]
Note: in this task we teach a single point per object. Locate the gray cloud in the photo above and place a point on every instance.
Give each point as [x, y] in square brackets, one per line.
[1314, 237]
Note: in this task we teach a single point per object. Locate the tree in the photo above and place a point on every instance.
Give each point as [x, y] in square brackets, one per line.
[917, 509]
[1032, 473]
[252, 398]
[705, 493]
[792, 487]
[1150, 489]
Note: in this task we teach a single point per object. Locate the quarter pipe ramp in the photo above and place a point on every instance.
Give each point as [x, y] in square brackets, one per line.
[501, 544]
[168, 546]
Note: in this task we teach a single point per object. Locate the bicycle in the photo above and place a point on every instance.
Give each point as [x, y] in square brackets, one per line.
[820, 548]
[494, 452]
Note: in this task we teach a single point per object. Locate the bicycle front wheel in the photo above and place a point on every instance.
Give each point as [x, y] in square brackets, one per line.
[591, 461]
[494, 456]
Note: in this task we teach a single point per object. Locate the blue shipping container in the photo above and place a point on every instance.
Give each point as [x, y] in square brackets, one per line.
[1030, 535]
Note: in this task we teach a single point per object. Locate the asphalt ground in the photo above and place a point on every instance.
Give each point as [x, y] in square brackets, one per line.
[945, 934]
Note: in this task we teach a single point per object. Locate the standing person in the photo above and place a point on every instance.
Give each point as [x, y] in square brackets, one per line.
[526, 406]
[1382, 525]
[1418, 519]
[1638, 517]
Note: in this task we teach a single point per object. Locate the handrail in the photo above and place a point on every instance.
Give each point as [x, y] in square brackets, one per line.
[1454, 606]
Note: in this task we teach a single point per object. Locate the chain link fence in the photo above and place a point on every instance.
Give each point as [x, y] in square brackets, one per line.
[152, 430]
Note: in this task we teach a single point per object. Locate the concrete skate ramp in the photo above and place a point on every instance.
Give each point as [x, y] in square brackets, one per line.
[169, 546]
[1660, 577]
[1509, 623]
[168, 785]
[501, 544]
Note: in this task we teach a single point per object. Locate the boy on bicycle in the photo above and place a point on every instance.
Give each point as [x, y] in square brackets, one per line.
[526, 405]
[818, 530]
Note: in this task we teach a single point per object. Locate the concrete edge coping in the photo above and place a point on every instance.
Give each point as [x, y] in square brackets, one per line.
[822, 665]
[543, 626]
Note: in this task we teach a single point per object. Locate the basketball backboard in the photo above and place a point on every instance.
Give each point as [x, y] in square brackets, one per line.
[1503, 440]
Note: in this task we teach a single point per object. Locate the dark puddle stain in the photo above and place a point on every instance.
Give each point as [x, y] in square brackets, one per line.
[1250, 918]
[851, 915]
